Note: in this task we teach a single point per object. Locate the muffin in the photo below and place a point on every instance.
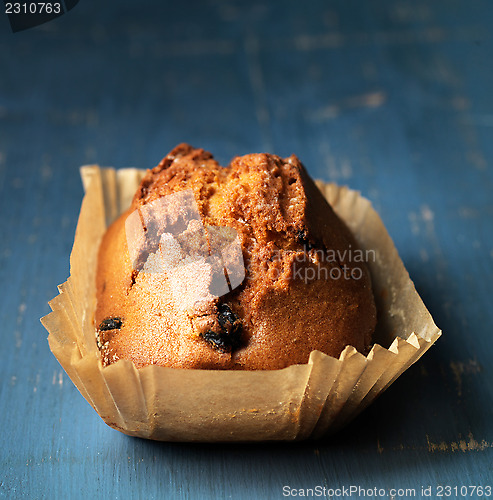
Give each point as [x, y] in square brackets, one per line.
[244, 267]
[300, 401]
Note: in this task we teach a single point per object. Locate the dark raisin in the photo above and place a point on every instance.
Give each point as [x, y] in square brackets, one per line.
[226, 316]
[217, 340]
[303, 240]
[110, 324]
[228, 338]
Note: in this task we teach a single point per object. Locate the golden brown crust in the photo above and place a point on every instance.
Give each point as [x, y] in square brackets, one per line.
[289, 303]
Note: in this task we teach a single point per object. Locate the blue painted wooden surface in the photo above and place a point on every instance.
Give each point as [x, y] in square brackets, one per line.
[394, 98]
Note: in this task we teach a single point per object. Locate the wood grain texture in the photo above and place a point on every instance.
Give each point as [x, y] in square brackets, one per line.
[391, 98]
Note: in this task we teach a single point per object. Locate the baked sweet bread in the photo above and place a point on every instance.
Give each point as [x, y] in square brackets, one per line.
[238, 267]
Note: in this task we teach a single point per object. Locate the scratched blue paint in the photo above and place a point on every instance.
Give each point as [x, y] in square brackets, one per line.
[391, 98]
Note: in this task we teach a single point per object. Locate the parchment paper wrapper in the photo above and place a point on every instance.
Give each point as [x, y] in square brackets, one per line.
[298, 402]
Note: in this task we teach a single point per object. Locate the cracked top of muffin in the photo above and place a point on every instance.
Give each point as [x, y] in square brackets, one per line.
[238, 267]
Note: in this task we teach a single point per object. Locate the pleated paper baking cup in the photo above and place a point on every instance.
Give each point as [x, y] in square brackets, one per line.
[298, 402]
